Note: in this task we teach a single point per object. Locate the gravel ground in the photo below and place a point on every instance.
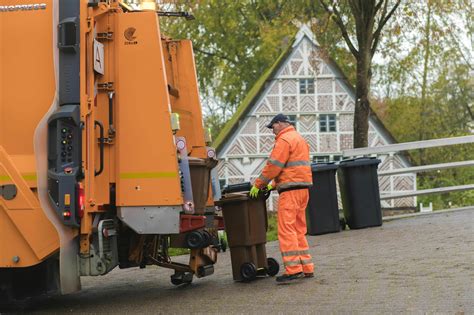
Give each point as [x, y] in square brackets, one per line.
[420, 264]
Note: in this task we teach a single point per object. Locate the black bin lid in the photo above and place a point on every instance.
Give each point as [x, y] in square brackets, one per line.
[360, 161]
[246, 186]
[322, 167]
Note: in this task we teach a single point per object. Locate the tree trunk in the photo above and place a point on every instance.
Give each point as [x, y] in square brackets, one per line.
[362, 106]
[424, 85]
[364, 13]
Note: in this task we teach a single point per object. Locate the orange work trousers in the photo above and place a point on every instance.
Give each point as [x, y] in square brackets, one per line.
[292, 230]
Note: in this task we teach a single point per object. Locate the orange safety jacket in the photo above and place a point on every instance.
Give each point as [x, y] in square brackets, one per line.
[288, 164]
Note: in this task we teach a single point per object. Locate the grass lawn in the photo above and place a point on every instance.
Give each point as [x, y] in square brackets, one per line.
[272, 227]
[178, 251]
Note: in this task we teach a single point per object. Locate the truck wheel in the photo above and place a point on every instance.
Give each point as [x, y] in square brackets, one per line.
[195, 240]
[248, 271]
[273, 267]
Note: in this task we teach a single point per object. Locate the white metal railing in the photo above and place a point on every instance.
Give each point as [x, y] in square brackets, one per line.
[427, 191]
[394, 148]
[426, 168]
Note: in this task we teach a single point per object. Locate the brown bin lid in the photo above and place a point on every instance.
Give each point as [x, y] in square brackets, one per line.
[196, 161]
[209, 163]
[233, 197]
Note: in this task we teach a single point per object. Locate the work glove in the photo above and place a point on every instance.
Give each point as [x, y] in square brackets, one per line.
[254, 192]
[269, 187]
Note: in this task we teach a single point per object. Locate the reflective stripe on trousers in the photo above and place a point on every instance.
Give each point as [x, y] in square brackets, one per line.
[292, 231]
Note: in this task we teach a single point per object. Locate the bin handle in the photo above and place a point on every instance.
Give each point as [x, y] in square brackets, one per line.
[266, 221]
[266, 194]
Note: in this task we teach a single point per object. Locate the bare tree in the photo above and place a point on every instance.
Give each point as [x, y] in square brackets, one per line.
[370, 16]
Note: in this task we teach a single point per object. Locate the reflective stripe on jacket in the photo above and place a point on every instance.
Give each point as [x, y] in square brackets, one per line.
[289, 163]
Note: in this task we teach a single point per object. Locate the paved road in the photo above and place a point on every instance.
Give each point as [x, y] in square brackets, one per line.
[416, 265]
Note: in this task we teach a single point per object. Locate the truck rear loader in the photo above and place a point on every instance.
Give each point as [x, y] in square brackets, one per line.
[104, 160]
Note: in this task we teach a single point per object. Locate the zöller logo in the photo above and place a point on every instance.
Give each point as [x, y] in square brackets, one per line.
[23, 7]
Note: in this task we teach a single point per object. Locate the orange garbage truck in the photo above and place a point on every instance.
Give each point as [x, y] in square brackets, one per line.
[104, 160]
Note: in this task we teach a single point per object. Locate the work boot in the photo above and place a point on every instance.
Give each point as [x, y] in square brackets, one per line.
[286, 278]
[309, 275]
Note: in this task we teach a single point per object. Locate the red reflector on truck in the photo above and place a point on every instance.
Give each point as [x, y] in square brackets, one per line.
[80, 201]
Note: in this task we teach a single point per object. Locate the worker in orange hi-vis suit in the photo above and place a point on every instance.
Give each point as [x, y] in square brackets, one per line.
[290, 168]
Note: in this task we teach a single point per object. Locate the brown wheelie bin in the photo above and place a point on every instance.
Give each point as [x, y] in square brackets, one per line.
[200, 170]
[246, 224]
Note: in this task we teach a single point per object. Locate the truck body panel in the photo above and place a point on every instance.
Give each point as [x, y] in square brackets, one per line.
[27, 90]
[94, 171]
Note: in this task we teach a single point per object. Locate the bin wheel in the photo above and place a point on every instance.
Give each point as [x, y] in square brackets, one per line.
[188, 278]
[181, 281]
[223, 244]
[273, 267]
[207, 237]
[248, 271]
[195, 240]
[176, 281]
[182, 277]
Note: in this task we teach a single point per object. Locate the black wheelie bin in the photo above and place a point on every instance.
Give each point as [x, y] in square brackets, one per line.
[246, 224]
[322, 213]
[359, 185]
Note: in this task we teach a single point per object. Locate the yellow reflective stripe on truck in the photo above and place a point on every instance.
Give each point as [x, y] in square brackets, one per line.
[148, 175]
[26, 176]
[29, 176]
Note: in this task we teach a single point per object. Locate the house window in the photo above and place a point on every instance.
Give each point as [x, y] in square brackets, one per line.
[327, 123]
[337, 158]
[321, 158]
[306, 86]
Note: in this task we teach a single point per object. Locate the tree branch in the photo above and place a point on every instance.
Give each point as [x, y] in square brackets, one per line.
[469, 111]
[458, 47]
[383, 21]
[389, 15]
[399, 64]
[214, 55]
[337, 18]
[384, 10]
[379, 4]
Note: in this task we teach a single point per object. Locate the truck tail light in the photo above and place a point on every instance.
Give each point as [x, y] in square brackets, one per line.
[80, 200]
